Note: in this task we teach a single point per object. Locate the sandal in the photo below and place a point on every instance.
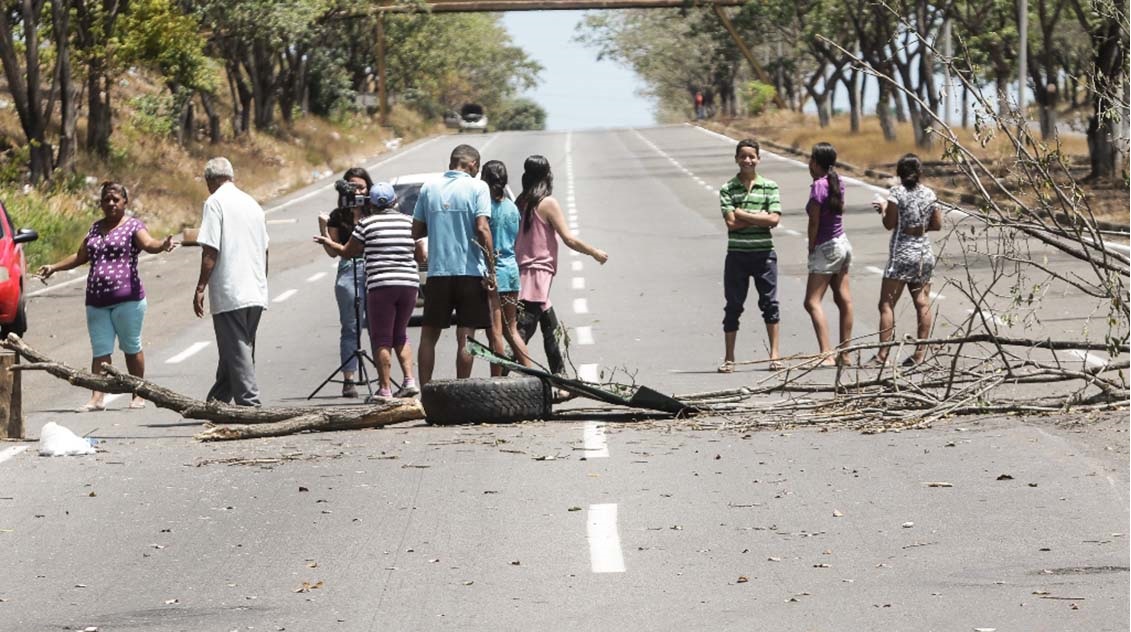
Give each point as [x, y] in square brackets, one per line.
[726, 367]
[875, 363]
[776, 365]
[89, 408]
[138, 405]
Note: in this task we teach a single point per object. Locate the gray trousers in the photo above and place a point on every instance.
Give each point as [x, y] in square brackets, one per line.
[235, 340]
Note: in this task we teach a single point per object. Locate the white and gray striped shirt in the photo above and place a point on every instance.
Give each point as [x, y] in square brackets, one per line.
[389, 249]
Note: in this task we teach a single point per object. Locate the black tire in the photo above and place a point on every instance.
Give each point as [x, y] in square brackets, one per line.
[485, 400]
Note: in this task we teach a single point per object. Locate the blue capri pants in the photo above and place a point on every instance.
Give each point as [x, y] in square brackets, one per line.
[121, 321]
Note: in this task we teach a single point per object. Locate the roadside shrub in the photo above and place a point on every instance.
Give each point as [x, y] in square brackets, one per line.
[520, 114]
[61, 220]
[757, 95]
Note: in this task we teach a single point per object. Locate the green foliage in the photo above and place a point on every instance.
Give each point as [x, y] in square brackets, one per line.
[59, 231]
[520, 114]
[757, 96]
[153, 114]
[156, 33]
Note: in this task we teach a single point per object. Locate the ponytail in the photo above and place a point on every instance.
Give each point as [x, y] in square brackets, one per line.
[824, 154]
[909, 169]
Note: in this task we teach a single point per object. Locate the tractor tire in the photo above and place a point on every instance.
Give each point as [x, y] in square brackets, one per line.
[485, 400]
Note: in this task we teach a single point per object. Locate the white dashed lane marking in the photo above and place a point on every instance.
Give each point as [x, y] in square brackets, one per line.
[604, 542]
[580, 306]
[284, 296]
[577, 283]
[576, 266]
[594, 441]
[791, 232]
[589, 373]
[314, 277]
[193, 349]
[584, 335]
[990, 317]
[874, 270]
[1088, 358]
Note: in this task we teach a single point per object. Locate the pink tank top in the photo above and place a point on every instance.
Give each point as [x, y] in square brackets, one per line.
[536, 250]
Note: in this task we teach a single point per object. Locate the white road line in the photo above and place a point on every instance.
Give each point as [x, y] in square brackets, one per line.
[291, 220]
[576, 266]
[584, 335]
[604, 542]
[574, 253]
[580, 306]
[284, 296]
[577, 283]
[8, 453]
[790, 231]
[589, 373]
[935, 296]
[193, 349]
[1088, 358]
[110, 397]
[874, 270]
[594, 441]
[314, 277]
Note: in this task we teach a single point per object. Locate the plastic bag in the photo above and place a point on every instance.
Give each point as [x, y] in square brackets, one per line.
[55, 440]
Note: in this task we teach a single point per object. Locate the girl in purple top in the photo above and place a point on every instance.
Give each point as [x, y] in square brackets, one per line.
[829, 251]
[115, 300]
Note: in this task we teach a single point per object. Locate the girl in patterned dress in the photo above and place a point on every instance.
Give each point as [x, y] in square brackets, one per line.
[115, 299]
[505, 220]
[910, 211]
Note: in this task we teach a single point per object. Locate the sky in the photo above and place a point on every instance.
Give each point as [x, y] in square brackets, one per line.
[577, 91]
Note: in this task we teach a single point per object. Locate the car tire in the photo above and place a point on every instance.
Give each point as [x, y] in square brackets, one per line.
[485, 400]
[18, 325]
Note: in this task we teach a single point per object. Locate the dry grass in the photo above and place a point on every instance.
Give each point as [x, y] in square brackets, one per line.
[868, 149]
[164, 178]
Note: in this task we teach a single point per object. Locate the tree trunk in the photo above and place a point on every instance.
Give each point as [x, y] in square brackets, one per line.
[883, 111]
[24, 83]
[852, 84]
[213, 118]
[1108, 94]
[99, 125]
[68, 88]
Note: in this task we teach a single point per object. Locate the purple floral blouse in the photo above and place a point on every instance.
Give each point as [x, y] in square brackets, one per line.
[113, 276]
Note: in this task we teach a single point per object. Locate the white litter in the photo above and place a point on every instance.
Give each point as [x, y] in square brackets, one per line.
[55, 440]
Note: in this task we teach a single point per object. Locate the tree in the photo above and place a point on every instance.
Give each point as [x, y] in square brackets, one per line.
[96, 44]
[1106, 23]
[521, 114]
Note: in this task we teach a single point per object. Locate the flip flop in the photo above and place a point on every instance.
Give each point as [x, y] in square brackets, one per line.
[136, 405]
[726, 367]
[875, 363]
[89, 408]
[776, 365]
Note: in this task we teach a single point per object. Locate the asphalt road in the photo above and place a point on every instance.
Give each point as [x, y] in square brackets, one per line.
[562, 525]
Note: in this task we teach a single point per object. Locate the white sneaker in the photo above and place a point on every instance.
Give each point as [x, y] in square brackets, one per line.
[408, 391]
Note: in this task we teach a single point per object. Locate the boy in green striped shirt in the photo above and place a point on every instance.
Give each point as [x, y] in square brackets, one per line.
[751, 206]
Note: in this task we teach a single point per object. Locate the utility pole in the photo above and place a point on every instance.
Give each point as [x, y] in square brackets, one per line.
[382, 94]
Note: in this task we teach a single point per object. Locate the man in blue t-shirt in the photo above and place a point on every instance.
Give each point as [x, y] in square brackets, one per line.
[454, 213]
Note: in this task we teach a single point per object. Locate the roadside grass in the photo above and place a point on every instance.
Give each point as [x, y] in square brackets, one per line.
[868, 149]
[165, 179]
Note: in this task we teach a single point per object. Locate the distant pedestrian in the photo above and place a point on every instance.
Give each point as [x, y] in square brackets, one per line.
[505, 221]
[830, 253]
[115, 299]
[751, 207]
[454, 213]
[537, 251]
[699, 111]
[910, 211]
[233, 270]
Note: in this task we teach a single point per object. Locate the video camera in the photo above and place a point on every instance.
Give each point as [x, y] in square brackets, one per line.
[349, 194]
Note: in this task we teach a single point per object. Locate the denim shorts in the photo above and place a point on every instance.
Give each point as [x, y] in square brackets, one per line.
[831, 257]
[121, 321]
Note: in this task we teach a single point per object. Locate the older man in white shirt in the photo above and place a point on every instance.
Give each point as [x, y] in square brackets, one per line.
[233, 270]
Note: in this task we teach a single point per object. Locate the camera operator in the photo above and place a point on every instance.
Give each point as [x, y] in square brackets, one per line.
[353, 203]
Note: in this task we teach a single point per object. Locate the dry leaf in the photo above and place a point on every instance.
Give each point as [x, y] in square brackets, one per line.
[907, 525]
[837, 513]
[938, 484]
[1005, 477]
[742, 579]
[169, 602]
[307, 586]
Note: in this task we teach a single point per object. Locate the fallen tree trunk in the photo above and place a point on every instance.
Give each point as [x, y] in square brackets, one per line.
[240, 422]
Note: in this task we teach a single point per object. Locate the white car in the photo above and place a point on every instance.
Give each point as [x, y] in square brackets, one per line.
[472, 118]
[407, 188]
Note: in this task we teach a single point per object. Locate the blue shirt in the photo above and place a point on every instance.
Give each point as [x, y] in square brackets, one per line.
[449, 206]
[504, 231]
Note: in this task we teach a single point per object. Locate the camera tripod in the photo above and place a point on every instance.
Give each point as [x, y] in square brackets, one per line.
[360, 355]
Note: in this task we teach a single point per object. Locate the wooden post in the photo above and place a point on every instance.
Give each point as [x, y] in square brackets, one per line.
[382, 93]
[11, 406]
[762, 76]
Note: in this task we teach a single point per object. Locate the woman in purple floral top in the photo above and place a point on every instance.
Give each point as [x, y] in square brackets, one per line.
[115, 300]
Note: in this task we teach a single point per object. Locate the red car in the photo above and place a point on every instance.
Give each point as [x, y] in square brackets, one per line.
[13, 269]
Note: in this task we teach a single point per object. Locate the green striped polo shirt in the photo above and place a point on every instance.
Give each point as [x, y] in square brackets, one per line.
[763, 197]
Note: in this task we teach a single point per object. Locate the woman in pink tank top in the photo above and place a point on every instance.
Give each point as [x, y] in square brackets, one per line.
[537, 252]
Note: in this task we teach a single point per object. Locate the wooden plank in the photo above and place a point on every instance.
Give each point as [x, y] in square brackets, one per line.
[11, 405]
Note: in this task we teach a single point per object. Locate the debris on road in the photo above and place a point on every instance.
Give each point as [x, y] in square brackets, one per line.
[56, 440]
